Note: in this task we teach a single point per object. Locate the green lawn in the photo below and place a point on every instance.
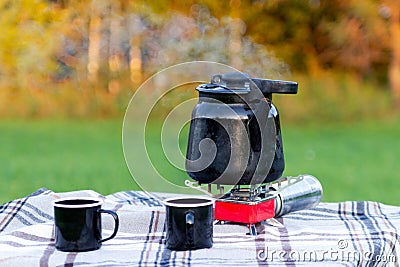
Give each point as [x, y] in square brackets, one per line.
[61, 156]
[353, 161]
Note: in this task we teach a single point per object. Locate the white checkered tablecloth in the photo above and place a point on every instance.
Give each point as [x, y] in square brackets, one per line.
[335, 234]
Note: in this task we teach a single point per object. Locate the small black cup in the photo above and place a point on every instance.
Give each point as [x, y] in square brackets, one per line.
[189, 223]
[77, 224]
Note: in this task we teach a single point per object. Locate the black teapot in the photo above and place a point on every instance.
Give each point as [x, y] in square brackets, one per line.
[235, 135]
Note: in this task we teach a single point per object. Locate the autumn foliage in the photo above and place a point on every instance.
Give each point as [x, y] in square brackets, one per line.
[86, 58]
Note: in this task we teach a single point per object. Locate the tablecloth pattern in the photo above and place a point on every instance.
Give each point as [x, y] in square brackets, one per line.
[334, 234]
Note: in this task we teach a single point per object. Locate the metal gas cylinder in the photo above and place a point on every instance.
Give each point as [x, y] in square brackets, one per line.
[298, 193]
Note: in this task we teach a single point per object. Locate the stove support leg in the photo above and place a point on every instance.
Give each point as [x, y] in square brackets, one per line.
[252, 229]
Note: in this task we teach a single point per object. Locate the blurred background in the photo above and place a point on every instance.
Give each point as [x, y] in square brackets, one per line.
[69, 68]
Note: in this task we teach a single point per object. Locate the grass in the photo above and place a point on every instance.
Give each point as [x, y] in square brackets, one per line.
[62, 156]
[355, 161]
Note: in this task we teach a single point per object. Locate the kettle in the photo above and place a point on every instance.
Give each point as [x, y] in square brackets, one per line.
[235, 134]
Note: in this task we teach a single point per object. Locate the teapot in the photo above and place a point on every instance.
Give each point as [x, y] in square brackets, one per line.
[235, 135]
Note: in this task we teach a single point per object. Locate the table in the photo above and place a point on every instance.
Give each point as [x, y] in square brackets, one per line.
[337, 234]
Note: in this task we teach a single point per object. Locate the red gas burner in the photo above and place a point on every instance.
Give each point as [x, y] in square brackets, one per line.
[246, 205]
[244, 211]
[252, 204]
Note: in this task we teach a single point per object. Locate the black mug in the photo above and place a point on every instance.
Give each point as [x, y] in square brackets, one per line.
[189, 223]
[77, 224]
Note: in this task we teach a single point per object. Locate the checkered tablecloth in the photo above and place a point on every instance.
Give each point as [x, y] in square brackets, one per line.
[335, 234]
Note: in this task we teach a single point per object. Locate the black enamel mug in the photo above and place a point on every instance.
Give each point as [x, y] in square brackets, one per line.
[189, 223]
[77, 224]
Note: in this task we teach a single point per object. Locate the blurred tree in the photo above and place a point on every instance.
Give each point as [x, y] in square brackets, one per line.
[390, 9]
[309, 35]
[28, 41]
[97, 41]
[358, 37]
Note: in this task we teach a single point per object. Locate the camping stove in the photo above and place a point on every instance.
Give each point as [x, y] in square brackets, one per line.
[246, 205]
[235, 140]
[254, 204]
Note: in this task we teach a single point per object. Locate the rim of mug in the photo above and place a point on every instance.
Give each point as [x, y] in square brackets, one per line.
[98, 202]
[208, 201]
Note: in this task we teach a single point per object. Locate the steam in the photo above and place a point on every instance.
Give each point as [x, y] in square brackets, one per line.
[144, 43]
[202, 36]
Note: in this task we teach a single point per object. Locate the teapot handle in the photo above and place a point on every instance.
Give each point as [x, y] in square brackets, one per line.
[268, 87]
[257, 122]
[264, 138]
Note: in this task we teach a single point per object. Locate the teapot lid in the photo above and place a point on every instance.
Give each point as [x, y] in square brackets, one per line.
[231, 87]
[238, 87]
[232, 80]
[241, 83]
[227, 83]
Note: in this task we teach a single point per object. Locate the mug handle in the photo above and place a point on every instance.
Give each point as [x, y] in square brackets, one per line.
[189, 219]
[116, 224]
